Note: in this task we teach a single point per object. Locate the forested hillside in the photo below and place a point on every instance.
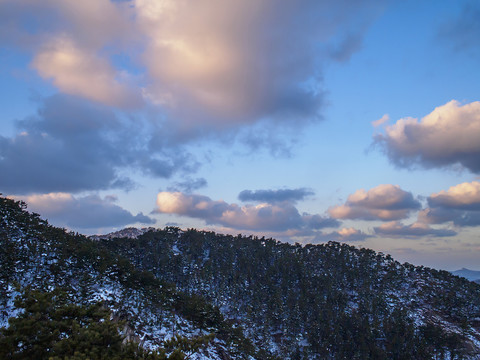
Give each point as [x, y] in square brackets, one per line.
[326, 301]
[201, 295]
[54, 283]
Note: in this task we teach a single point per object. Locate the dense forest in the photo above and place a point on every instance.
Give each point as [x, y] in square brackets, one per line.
[176, 294]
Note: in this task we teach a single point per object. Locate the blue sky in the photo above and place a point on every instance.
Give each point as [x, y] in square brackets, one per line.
[305, 121]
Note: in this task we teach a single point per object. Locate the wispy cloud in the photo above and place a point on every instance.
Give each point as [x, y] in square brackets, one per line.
[274, 196]
[385, 118]
[188, 185]
[415, 230]
[463, 30]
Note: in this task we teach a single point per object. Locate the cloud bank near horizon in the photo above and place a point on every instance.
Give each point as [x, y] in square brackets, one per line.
[276, 217]
[84, 212]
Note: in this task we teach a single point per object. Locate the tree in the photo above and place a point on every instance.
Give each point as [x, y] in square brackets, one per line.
[51, 327]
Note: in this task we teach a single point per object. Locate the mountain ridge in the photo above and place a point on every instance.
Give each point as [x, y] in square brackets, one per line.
[258, 298]
[472, 275]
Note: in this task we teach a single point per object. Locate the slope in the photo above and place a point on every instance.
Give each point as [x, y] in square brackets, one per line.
[328, 301]
[35, 256]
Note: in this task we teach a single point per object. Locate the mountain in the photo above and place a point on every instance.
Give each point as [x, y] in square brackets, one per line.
[210, 296]
[471, 275]
[40, 263]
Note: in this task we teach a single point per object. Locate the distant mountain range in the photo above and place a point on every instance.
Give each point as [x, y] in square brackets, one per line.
[192, 294]
[471, 275]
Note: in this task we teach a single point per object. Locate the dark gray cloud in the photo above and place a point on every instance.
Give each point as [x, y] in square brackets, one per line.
[467, 218]
[316, 222]
[275, 196]
[397, 229]
[65, 147]
[278, 217]
[74, 145]
[88, 212]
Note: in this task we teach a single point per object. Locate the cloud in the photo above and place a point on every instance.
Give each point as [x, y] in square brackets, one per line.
[74, 43]
[241, 61]
[396, 229]
[342, 235]
[86, 212]
[267, 217]
[64, 148]
[460, 204]
[384, 202]
[80, 72]
[275, 196]
[385, 118]
[465, 196]
[464, 30]
[74, 145]
[207, 64]
[93, 24]
[188, 185]
[447, 136]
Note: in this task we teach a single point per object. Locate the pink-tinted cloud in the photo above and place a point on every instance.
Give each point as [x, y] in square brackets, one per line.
[240, 61]
[462, 196]
[459, 204]
[269, 217]
[447, 136]
[79, 71]
[206, 63]
[342, 235]
[384, 202]
[385, 118]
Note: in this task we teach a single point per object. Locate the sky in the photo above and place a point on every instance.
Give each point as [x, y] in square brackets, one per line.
[306, 121]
